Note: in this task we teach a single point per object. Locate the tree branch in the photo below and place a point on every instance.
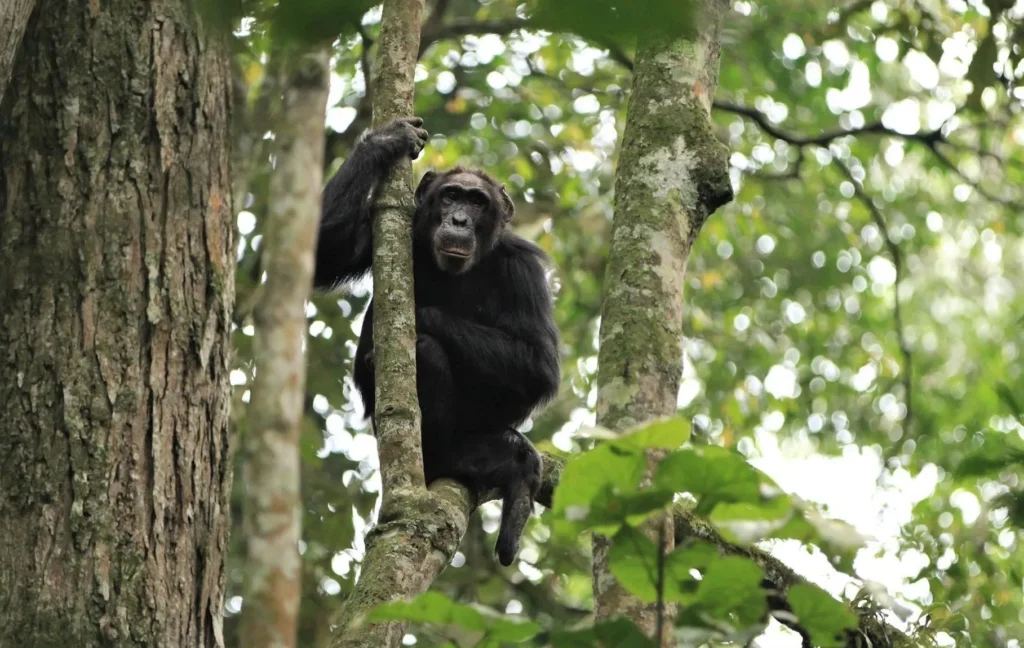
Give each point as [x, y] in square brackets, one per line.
[690, 527]
[14, 15]
[436, 31]
[429, 543]
[401, 558]
[896, 253]
[976, 184]
[930, 139]
[822, 139]
[273, 507]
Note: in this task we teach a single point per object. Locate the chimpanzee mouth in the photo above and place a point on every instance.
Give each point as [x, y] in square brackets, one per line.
[453, 252]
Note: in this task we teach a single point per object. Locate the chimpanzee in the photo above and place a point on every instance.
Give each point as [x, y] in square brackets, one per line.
[487, 346]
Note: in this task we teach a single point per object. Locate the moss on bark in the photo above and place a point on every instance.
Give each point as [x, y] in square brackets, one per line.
[117, 241]
[672, 173]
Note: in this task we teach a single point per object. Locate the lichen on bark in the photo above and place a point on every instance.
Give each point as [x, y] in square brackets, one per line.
[273, 508]
[417, 530]
[117, 241]
[14, 15]
[397, 420]
[671, 175]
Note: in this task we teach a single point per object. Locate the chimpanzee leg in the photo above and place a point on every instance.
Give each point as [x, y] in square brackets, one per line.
[436, 390]
[504, 461]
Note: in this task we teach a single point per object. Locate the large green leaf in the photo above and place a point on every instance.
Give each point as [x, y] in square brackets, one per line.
[617, 633]
[822, 616]
[731, 587]
[436, 608]
[998, 452]
[712, 474]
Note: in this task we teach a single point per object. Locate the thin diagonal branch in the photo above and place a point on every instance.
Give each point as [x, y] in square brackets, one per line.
[930, 139]
[896, 253]
[822, 139]
[975, 184]
[433, 32]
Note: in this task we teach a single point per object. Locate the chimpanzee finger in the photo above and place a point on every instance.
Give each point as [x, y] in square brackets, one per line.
[412, 121]
[515, 513]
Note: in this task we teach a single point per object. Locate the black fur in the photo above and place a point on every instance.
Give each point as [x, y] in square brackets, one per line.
[487, 346]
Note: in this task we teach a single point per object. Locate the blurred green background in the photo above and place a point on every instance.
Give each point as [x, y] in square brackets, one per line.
[854, 317]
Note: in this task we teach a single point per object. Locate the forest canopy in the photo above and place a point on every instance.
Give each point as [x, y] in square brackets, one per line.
[853, 319]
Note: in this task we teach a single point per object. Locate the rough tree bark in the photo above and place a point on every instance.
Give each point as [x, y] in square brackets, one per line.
[400, 558]
[273, 507]
[672, 174]
[116, 290]
[14, 15]
[397, 418]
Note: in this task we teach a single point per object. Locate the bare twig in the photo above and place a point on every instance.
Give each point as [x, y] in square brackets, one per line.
[896, 254]
[976, 184]
[929, 139]
[433, 32]
[822, 139]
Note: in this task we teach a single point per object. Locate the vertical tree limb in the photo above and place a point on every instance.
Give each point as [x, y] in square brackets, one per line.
[14, 15]
[272, 507]
[397, 419]
[672, 174]
[417, 531]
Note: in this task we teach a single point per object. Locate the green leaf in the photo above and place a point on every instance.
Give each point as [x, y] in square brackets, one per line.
[609, 634]
[438, 609]
[604, 20]
[1005, 395]
[713, 475]
[608, 511]
[666, 434]
[731, 586]
[797, 528]
[633, 559]
[747, 522]
[821, 615]
[603, 470]
[997, 453]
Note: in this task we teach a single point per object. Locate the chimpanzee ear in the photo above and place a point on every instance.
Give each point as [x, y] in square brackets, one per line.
[508, 207]
[421, 190]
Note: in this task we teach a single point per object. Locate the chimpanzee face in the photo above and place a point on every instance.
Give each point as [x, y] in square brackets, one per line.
[463, 213]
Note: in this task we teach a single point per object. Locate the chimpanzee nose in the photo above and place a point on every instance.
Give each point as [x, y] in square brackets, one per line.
[460, 220]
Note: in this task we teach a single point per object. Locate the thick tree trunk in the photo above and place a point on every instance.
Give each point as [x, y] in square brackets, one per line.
[116, 287]
[14, 15]
[672, 173]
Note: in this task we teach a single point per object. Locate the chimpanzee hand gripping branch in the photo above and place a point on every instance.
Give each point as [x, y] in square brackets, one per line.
[487, 345]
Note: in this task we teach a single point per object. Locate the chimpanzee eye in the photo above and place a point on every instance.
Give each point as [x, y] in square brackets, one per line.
[449, 194]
